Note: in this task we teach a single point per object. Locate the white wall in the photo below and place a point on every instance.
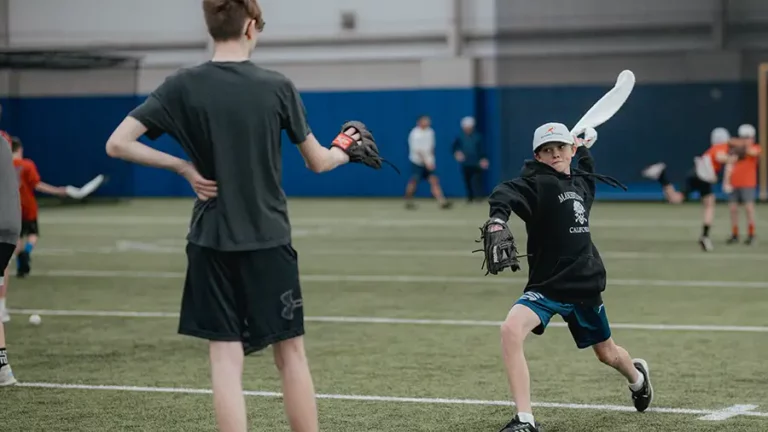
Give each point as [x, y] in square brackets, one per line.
[405, 43]
[36, 23]
[289, 19]
[544, 15]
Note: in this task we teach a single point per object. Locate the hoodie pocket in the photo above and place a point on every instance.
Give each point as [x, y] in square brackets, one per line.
[584, 272]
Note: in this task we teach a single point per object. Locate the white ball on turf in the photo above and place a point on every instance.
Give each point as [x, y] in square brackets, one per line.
[35, 319]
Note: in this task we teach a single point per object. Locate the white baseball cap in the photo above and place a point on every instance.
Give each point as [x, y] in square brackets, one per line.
[468, 122]
[746, 131]
[551, 132]
[719, 135]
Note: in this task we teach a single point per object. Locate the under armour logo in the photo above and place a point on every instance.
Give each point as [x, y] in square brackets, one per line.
[3, 358]
[290, 304]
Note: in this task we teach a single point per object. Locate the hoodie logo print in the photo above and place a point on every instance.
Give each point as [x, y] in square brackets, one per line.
[579, 211]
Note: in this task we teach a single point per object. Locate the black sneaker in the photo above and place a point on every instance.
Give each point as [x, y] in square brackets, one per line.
[517, 426]
[751, 240]
[643, 397]
[446, 205]
[410, 205]
[732, 240]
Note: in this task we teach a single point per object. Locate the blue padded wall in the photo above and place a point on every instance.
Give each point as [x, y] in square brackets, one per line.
[65, 136]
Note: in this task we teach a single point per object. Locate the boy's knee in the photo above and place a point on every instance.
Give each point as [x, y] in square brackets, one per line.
[512, 332]
[226, 353]
[606, 352]
[289, 351]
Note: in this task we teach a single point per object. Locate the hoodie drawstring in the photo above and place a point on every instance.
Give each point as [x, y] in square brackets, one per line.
[610, 181]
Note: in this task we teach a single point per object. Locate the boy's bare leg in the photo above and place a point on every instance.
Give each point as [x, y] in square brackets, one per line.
[672, 195]
[6, 375]
[516, 327]
[635, 371]
[226, 376]
[618, 358]
[298, 389]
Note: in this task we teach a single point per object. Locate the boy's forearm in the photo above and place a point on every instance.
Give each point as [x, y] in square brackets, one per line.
[320, 159]
[48, 189]
[136, 152]
[331, 159]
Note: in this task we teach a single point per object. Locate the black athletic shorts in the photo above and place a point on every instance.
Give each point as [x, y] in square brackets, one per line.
[252, 296]
[6, 253]
[29, 227]
[694, 183]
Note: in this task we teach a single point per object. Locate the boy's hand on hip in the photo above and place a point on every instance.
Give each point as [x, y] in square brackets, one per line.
[204, 188]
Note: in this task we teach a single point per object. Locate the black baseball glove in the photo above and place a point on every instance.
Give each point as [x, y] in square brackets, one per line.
[499, 247]
[361, 146]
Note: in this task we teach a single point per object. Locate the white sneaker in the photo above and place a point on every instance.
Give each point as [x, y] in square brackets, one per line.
[5, 316]
[654, 171]
[706, 244]
[6, 377]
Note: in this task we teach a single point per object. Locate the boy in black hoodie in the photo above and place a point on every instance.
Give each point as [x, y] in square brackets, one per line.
[566, 274]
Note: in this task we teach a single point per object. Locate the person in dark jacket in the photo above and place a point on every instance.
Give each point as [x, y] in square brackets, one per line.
[566, 273]
[469, 152]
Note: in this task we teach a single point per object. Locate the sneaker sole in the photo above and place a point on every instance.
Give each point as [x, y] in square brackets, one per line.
[9, 383]
[647, 369]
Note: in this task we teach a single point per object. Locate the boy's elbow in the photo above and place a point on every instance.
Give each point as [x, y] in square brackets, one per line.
[113, 148]
[315, 166]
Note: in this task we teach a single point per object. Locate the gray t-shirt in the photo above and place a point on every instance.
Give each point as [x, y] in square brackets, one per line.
[10, 207]
[228, 117]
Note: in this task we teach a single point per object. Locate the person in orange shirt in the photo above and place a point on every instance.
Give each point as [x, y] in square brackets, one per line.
[29, 182]
[699, 179]
[740, 182]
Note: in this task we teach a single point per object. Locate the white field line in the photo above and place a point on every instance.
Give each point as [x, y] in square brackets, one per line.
[433, 401]
[363, 221]
[129, 274]
[729, 412]
[131, 246]
[411, 321]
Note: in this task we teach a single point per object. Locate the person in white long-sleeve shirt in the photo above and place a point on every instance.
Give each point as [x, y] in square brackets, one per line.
[421, 152]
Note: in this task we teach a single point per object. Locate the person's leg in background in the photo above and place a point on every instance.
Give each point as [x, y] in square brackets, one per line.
[9, 250]
[658, 172]
[6, 374]
[467, 173]
[749, 206]
[4, 315]
[477, 183]
[708, 202]
[437, 191]
[410, 191]
[24, 249]
[734, 200]
[418, 173]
